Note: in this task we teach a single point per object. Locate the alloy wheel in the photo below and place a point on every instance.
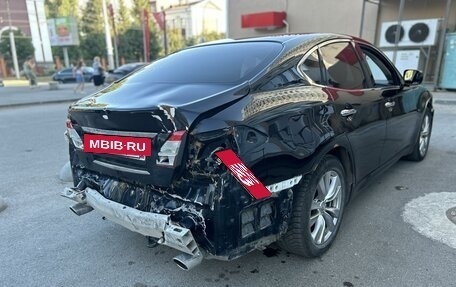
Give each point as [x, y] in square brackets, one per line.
[325, 207]
[424, 135]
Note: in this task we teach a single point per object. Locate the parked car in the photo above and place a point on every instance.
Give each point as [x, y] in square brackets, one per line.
[122, 71]
[220, 149]
[1, 83]
[66, 75]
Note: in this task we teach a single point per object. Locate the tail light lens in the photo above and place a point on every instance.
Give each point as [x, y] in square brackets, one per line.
[73, 135]
[170, 149]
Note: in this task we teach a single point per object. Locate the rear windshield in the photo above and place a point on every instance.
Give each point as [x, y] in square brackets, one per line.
[223, 63]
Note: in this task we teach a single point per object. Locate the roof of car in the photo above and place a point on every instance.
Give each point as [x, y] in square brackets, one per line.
[289, 40]
[288, 37]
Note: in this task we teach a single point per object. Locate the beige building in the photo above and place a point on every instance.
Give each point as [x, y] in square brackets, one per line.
[422, 21]
[333, 16]
[302, 17]
[193, 17]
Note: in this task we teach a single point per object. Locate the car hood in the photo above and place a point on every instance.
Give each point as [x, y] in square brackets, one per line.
[187, 102]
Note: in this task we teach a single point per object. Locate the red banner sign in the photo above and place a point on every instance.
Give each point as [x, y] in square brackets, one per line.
[117, 145]
[160, 19]
[146, 35]
[245, 177]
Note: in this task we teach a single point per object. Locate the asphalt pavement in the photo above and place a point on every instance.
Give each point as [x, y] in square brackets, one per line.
[44, 244]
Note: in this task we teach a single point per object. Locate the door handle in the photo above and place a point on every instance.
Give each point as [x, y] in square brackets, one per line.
[347, 112]
[390, 104]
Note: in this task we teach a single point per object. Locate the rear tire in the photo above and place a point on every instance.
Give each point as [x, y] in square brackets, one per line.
[318, 206]
[421, 145]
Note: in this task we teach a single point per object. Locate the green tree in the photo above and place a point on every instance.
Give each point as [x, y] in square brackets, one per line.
[92, 45]
[205, 37]
[155, 43]
[24, 48]
[61, 8]
[92, 18]
[211, 36]
[123, 18]
[176, 41]
[137, 11]
[131, 46]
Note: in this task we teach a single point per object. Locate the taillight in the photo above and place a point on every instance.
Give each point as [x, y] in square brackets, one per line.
[169, 150]
[73, 135]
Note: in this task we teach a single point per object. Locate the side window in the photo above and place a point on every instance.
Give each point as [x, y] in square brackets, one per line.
[283, 76]
[381, 75]
[342, 65]
[312, 68]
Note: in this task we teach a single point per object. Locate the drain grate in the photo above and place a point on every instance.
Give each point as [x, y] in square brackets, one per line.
[451, 214]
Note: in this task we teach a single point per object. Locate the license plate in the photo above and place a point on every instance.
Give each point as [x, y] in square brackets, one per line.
[126, 146]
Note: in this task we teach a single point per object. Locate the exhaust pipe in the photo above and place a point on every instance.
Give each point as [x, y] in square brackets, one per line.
[80, 208]
[187, 261]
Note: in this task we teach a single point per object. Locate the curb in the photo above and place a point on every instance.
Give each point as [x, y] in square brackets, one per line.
[38, 103]
[3, 204]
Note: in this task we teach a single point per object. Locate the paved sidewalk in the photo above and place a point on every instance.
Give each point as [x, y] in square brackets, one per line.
[11, 96]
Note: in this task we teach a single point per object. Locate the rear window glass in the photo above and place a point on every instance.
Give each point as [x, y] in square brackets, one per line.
[223, 63]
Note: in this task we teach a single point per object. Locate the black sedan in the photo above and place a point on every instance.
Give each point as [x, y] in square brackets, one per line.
[122, 71]
[66, 75]
[223, 148]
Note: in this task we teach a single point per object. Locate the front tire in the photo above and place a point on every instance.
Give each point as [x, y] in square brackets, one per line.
[318, 206]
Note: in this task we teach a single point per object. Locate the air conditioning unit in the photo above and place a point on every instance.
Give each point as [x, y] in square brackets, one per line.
[412, 33]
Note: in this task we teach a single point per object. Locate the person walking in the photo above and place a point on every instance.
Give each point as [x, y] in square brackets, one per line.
[28, 67]
[79, 75]
[98, 72]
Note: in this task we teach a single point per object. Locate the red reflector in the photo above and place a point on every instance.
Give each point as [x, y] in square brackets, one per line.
[243, 174]
[117, 145]
[177, 136]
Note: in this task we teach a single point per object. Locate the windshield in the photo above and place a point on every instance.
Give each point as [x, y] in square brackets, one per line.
[223, 63]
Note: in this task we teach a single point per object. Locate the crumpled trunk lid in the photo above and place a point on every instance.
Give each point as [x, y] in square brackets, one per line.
[153, 112]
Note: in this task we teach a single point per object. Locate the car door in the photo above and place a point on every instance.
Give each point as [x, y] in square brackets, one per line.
[400, 103]
[359, 110]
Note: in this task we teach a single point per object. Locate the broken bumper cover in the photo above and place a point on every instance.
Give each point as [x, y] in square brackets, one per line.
[146, 223]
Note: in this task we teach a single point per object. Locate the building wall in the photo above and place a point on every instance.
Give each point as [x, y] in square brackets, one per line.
[19, 16]
[180, 18]
[204, 16]
[29, 17]
[207, 17]
[333, 16]
[423, 9]
[419, 9]
[39, 31]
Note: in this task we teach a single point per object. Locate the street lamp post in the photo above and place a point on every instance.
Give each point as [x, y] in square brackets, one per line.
[108, 37]
[12, 42]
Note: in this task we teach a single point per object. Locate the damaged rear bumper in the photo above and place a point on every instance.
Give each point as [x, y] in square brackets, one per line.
[151, 224]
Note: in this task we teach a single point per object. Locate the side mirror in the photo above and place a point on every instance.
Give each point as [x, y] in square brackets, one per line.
[413, 77]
